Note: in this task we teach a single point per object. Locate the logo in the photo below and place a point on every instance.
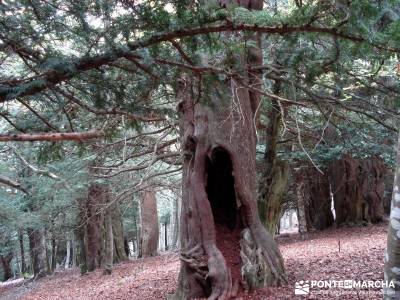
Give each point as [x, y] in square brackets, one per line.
[302, 287]
[343, 287]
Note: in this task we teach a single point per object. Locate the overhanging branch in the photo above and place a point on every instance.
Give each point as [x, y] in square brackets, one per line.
[54, 77]
[52, 137]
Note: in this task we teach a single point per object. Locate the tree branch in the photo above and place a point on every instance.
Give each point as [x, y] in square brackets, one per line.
[33, 168]
[52, 137]
[12, 183]
[109, 111]
[56, 76]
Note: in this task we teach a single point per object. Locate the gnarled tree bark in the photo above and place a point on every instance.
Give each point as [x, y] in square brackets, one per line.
[358, 189]
[219, 220]
[315, 199]
[373, 170]
[225, 247]
[347, 193]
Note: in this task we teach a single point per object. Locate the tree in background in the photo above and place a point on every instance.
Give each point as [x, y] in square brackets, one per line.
[149, 229]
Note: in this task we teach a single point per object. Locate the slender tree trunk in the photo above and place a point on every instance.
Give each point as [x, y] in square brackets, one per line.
[126, 247]
[109, 241]
[165, 237]
[149, 234]
[22, 251]
[271, 195]
[136, 223]
[68, 255]
[82, 254]
[134, 245]
[175, 220]
[79, 231]
[136, 232]
[74, 248]
[118, 233]
[6, 263]
[47, 251]
[290, 216]
[38, 252]
[275, 172]
[53, 254]
[392, 255]
[301, 205]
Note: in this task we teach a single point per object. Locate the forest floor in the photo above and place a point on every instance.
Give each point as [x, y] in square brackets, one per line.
[354, 253]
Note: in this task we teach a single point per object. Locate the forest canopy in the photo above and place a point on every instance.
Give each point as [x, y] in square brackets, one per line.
[168, 124]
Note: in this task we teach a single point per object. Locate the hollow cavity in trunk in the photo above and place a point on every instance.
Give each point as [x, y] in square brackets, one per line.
[221, 194]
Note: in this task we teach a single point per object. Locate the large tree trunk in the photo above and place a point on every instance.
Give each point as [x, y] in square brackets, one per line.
[6, 264]
[318, 211]
[219, 219]
[38, 252]
[358, 189]
[347, 193]
[225, 247]
[95, 220]
[149, 232]
[93, 230]
[392, 256]
[373, 170]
